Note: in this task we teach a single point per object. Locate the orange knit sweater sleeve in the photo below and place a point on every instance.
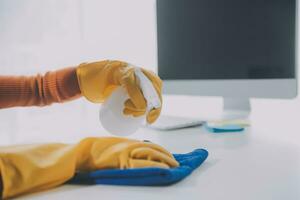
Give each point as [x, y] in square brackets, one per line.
[40, 90]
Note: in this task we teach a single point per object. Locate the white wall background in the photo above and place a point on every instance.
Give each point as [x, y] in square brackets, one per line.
[36, 36]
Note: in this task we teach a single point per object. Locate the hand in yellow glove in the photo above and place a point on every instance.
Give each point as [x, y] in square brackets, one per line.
[30, 168]
[98, 80]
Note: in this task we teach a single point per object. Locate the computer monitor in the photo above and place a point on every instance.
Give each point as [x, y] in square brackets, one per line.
[236, 49]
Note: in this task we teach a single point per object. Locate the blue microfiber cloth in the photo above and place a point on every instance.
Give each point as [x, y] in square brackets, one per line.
[144, 176]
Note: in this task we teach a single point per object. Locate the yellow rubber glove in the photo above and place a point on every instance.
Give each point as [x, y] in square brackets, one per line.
[30, 168]
[97, 80]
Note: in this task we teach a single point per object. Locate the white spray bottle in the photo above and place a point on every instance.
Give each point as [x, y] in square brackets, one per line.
[111, 112]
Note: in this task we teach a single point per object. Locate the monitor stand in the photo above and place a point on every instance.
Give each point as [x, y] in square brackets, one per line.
[236, 108]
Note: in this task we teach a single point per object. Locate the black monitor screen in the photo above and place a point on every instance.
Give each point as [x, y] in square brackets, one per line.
[226, 39]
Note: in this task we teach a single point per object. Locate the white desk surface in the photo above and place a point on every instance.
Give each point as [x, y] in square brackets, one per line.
[262, 163]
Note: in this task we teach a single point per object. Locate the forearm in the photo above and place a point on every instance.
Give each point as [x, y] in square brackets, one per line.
[53, 87]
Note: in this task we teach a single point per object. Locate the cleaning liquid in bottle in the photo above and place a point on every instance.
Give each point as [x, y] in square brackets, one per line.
[111, 112]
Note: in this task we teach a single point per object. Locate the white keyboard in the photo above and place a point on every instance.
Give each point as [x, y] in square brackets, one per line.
[171, 122]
